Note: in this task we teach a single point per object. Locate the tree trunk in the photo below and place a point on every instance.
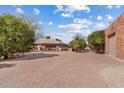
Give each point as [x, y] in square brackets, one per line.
[6, 56]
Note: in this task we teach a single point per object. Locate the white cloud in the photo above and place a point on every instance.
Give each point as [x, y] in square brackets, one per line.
[67, 15]
[82, 21]
[78, 26]
[100, 25]
[50, 23]
[40, 22]
[19, 10]
[109, 7]
[71, 27]
[117, 6]
[68, 10]
[73, 8]
[99, 18]
[61, 34]
[113, 6]
[83, 26]
[59, 7]
[109, 17]
[36, 11]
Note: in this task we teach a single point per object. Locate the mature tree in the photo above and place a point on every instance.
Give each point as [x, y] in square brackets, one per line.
[77, 44]
[79, 35]
[16, 35]
[96, 41]
[1, 51]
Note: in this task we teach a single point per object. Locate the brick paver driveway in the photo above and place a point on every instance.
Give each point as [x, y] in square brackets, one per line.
[62, 69]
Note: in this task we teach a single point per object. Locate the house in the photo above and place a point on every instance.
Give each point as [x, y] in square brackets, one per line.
[50, 44]
[114, 38]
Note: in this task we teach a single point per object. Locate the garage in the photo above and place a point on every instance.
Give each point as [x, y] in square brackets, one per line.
[114, 38]
[112, 45]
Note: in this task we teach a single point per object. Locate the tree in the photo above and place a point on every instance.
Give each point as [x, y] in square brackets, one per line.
[77, 44]
[96, 41]
[16, 35]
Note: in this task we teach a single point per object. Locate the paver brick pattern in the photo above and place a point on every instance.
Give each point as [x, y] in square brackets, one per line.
[58, 70]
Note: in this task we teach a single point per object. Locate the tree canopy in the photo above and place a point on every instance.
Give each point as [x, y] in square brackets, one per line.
[77, 44]
[96, 41]
[16, 34]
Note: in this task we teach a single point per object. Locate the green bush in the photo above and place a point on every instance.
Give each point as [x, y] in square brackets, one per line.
[77, 44]
[96, 41]
[16, 35]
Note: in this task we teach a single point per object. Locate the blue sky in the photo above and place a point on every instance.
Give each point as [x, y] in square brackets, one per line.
[64, 21]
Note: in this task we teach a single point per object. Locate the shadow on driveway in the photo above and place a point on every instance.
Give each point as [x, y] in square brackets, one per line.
[32, 56]
[6, 65]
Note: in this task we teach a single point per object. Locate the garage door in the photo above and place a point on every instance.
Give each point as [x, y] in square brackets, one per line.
[112, 45]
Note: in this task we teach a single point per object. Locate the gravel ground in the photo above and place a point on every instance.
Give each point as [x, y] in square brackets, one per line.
[62, 70]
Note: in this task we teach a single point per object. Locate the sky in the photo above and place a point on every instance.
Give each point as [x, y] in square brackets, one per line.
[64, 21]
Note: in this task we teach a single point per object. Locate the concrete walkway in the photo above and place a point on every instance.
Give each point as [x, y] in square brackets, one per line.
[62, 69]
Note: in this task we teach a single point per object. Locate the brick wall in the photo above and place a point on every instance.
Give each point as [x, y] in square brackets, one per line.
[117, 28]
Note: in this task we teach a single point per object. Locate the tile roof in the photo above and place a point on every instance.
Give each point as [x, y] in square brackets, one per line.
[48, 41]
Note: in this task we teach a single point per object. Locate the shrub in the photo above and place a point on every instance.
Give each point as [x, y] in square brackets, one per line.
[96, 41]
[16, 35]
[77, 44]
